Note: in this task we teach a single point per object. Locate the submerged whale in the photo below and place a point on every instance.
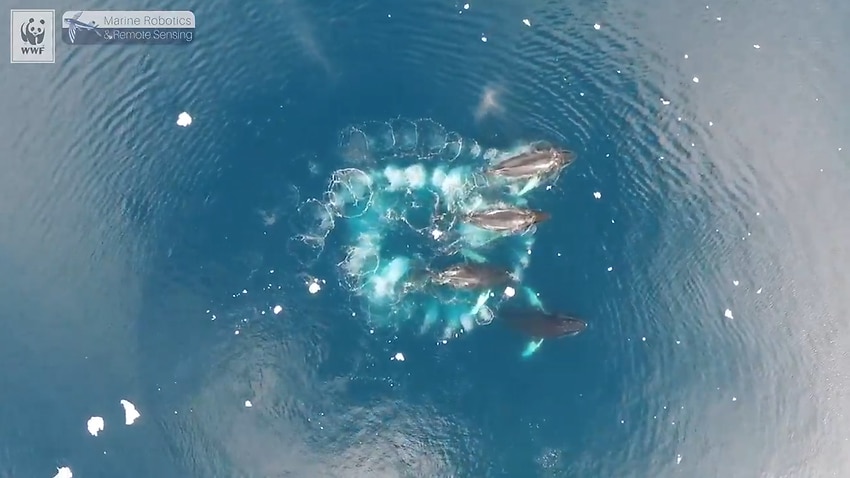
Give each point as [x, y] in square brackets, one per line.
[511, 220]
[542, 160]
[542, 325]
[472, 276]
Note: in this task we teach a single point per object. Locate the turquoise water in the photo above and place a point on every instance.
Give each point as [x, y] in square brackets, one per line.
[127, 242]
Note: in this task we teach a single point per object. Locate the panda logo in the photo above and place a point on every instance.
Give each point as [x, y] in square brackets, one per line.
[33, 32]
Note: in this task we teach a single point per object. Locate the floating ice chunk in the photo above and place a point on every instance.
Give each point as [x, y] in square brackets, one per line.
[734, 399]
[610, 269]
[183, 119]
[466, 6]
[596, 26]
[696, 80]
[678, 459]
[483, 38]
[597, 195]
[64, 472]
[527, 22]
[758, 291]
[95, 425]
[735, 283]
[277, 309]
[248, 404]
[509, 291]
[399, 356]
[130, 412]
[756, 46]
[314, 287]
[436, 233]
[728, 314]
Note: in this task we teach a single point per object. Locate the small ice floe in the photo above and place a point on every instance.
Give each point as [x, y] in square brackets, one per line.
[728, 314]
[678, 459]
[597, 195]
[483, 38]
[758, 291]
[436, 233]
[696, 80]
[183, 119]
[95, 425]
[130, 412]
[757, 46]
[665, 102]
[610, 269]
[735, 283]
[466, 6]
[248, 404]
[734, 399]
[314, 287]
[277, 309]
[398, 356]
[527, 22]
[596, 26]
[64, 472]
[510, 291]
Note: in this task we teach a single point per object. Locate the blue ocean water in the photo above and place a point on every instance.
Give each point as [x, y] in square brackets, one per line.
[144, 260]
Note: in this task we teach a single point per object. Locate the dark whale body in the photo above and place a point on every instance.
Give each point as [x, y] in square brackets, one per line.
[542, 160]
[543, 325]
[472, 276]
[511, 220]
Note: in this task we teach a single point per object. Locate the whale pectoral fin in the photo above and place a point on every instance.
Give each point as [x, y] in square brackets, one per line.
[531, 184]
[531, 347]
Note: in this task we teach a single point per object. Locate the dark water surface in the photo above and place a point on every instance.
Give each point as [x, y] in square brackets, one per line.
[716, 136]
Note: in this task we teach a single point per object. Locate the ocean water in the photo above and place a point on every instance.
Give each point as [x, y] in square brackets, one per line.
[143, 261]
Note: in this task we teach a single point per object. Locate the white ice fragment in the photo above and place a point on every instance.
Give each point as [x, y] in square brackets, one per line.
[734, 399]
[64, 472]
[436, 233]
[399, 356]
[183, 119]
[277, 309]
[248, 404]
[466, 6]
[483, 38]
[756, 46]
[735, 283]
[314, 287]
[610, 269]
[509, 291]
[678, 459]
[597, 195]
[596, 26]
[95, 425]
[758, 291]
[527, 22]
[686, 56]
[728, 314]
[696, 80]
[130, 412]
[665, 102]
[643, 339]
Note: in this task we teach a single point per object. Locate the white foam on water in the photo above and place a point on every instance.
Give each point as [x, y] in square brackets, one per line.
[416, 176]
[184, 119]
[95, 425]
[130, 412]
[63, 472]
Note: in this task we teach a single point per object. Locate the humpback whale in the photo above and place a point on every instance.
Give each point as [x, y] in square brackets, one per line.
[511, 220]
[542, 325]
[472, 276]
[542, 160]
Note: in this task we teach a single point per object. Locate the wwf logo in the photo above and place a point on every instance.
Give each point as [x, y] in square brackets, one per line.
[32, 32]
